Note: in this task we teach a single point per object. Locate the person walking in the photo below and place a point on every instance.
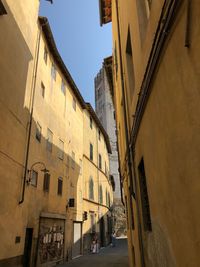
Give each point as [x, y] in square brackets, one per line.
[95, 244]
[113, 237]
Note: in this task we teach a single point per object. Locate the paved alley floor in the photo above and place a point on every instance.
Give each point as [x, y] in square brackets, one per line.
[107, 257]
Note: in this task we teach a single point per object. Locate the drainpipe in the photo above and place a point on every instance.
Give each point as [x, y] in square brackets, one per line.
[129, 152]
[169, 11]
[33, 87]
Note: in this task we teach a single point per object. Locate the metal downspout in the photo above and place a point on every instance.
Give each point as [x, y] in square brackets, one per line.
[31, 114]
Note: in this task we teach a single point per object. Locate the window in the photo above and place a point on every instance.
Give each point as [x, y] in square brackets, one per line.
[49, 140]
[63, 87]
[73, 160]
[144, 197]
[114, 115]
[101, 194]
[106, 198]
[60, 186]
[100, 163]
[91, 151]
[143, 7]
[38, 132]
[45, 55]
[46, 184]
[92, 221]
[42, 90]
[91, 189]
[34, 178]
[53, 71]
[74, 103]
[90, 122]
[130, 66]
[2, 9]
[99, 135]
[61, 150]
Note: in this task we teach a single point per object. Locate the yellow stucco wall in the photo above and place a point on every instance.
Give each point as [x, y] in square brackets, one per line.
[18, 33]
[168, 134]
[54, 110]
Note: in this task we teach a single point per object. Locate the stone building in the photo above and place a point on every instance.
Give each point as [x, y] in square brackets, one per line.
[156, 72]
[105, 111]
[45, 170]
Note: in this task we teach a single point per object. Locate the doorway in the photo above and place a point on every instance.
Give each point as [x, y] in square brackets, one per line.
[102, 232]
[27, 247]
[77, 240]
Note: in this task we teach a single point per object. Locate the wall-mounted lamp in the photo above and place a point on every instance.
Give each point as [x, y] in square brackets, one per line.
[71, 203]
[44, 170]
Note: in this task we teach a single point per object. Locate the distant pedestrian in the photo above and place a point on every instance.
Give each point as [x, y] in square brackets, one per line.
[113, 237]
[95, 244]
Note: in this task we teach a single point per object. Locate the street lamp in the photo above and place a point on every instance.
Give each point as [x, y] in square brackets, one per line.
[45, 170]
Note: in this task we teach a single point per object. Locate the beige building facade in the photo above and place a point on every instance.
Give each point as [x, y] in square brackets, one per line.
[45, 167]
[156, 95]
[18, 37]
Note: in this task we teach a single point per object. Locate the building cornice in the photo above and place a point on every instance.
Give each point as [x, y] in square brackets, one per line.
[48, 35]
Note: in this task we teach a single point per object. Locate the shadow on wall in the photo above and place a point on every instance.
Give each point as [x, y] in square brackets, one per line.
[52, 198]
[44, 222]
[99, 235]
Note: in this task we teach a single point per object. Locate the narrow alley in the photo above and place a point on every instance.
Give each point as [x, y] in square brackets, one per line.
[109, 256]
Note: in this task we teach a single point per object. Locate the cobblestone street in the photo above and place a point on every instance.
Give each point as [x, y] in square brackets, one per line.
[109, 256]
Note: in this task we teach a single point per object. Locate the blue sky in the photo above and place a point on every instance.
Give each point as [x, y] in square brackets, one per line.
[82, 43]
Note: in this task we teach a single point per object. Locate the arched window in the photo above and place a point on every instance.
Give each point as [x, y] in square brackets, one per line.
[101, 194]
[109, 200]
[91, 188]
[106, 197]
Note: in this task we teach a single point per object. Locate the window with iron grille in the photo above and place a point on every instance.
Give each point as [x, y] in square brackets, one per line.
[144, 197]
[38, 132]
[60, 186]
[46, 184]
[91, 151]
[49, 140]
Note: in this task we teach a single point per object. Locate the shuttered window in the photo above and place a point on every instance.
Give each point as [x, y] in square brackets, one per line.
[46, 184]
